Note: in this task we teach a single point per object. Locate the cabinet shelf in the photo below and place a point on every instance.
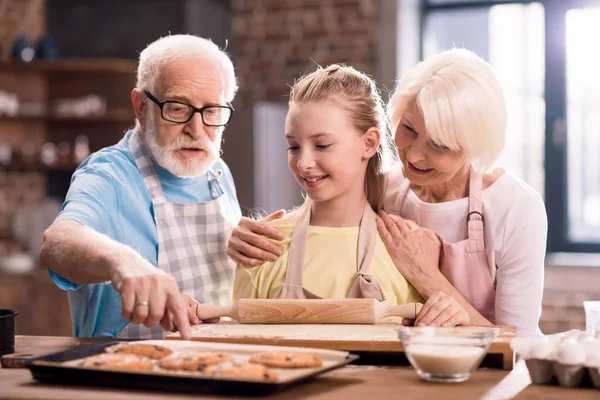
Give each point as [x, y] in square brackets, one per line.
[45, 87]
[36, 166]
[111, 117]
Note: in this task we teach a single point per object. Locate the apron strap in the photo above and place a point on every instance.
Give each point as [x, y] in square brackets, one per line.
[297, 247]
[475, 221]
[146, 167]
[367, 235]
[366, 286]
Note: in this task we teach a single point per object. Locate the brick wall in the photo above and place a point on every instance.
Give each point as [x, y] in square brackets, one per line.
[275, 41]
[17, 17]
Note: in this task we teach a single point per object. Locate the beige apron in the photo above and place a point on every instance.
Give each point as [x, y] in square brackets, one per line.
[365, 286]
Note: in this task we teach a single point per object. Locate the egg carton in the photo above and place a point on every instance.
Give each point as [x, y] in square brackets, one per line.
[546, 372]
[570, 359]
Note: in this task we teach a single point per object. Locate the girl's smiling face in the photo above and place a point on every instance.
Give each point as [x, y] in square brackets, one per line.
[327, 154]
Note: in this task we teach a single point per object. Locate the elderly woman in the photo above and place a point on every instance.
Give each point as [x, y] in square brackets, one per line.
[450, 119]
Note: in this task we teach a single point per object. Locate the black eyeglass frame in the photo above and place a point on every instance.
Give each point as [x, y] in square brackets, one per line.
[195, 110]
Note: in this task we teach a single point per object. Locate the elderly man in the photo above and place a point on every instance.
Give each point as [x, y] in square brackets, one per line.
[145, 224]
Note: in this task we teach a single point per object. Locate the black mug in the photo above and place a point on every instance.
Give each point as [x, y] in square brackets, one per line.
[7, 331]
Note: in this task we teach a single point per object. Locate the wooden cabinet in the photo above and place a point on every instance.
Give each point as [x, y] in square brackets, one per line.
[44, 88]
[45, 91]
[51, 95]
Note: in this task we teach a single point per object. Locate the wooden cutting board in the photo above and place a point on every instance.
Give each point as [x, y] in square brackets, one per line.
[379, 338]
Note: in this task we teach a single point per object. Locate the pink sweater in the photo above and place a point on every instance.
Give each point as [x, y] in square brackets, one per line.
[516, 227]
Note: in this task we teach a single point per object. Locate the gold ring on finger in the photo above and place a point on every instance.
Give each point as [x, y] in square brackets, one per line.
[142, 303]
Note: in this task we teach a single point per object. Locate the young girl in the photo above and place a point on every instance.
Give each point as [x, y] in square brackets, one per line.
[338, 146]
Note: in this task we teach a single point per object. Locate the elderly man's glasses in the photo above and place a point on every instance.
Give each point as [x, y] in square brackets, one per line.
[180, 113]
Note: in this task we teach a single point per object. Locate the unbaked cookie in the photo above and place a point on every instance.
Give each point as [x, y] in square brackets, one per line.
[246, 372]
[277, 359]
[193, 361]
[126, 362]
[152, 351]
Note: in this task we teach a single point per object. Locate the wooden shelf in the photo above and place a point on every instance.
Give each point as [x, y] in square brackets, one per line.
[112, 116]
[5, 236]
[41, 85]
[72, 65]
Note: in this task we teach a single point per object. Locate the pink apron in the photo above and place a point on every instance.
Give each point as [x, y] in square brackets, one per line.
[365, 286]
[463, 263]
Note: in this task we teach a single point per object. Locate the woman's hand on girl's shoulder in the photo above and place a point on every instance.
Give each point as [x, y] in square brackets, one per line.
[248, 244]
[414, 250]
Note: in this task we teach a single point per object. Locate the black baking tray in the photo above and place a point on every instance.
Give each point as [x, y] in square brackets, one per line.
[48, 370]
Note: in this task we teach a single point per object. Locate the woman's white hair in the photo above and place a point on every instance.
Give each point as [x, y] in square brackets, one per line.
[165, 49]
[462, 103]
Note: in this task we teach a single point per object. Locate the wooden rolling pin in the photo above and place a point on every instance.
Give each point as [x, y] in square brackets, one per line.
[318, 311]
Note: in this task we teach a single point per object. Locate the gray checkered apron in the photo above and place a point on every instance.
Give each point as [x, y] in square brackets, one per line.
[192, 240]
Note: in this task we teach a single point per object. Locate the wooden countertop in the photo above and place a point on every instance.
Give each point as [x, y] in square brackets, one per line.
[352, 382]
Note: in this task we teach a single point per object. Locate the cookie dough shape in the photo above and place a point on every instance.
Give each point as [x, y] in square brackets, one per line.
[122, 362]
[193, 361]
[152, 351]
[246, 372]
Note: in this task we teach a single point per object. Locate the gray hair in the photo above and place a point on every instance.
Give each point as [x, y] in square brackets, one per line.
[165, 49]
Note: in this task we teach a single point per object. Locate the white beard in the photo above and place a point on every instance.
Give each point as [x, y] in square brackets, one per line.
[163, 155]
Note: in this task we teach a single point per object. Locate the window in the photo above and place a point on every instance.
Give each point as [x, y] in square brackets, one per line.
[583, 125]
[463, 3]
[544, 56]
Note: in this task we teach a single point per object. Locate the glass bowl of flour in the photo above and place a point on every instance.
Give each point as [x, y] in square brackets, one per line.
[446, 354]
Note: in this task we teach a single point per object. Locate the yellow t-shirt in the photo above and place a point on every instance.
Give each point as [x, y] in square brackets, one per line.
[330, 265]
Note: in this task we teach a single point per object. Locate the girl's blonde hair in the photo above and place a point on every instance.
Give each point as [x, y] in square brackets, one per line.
[357, 93]
[462, 103]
